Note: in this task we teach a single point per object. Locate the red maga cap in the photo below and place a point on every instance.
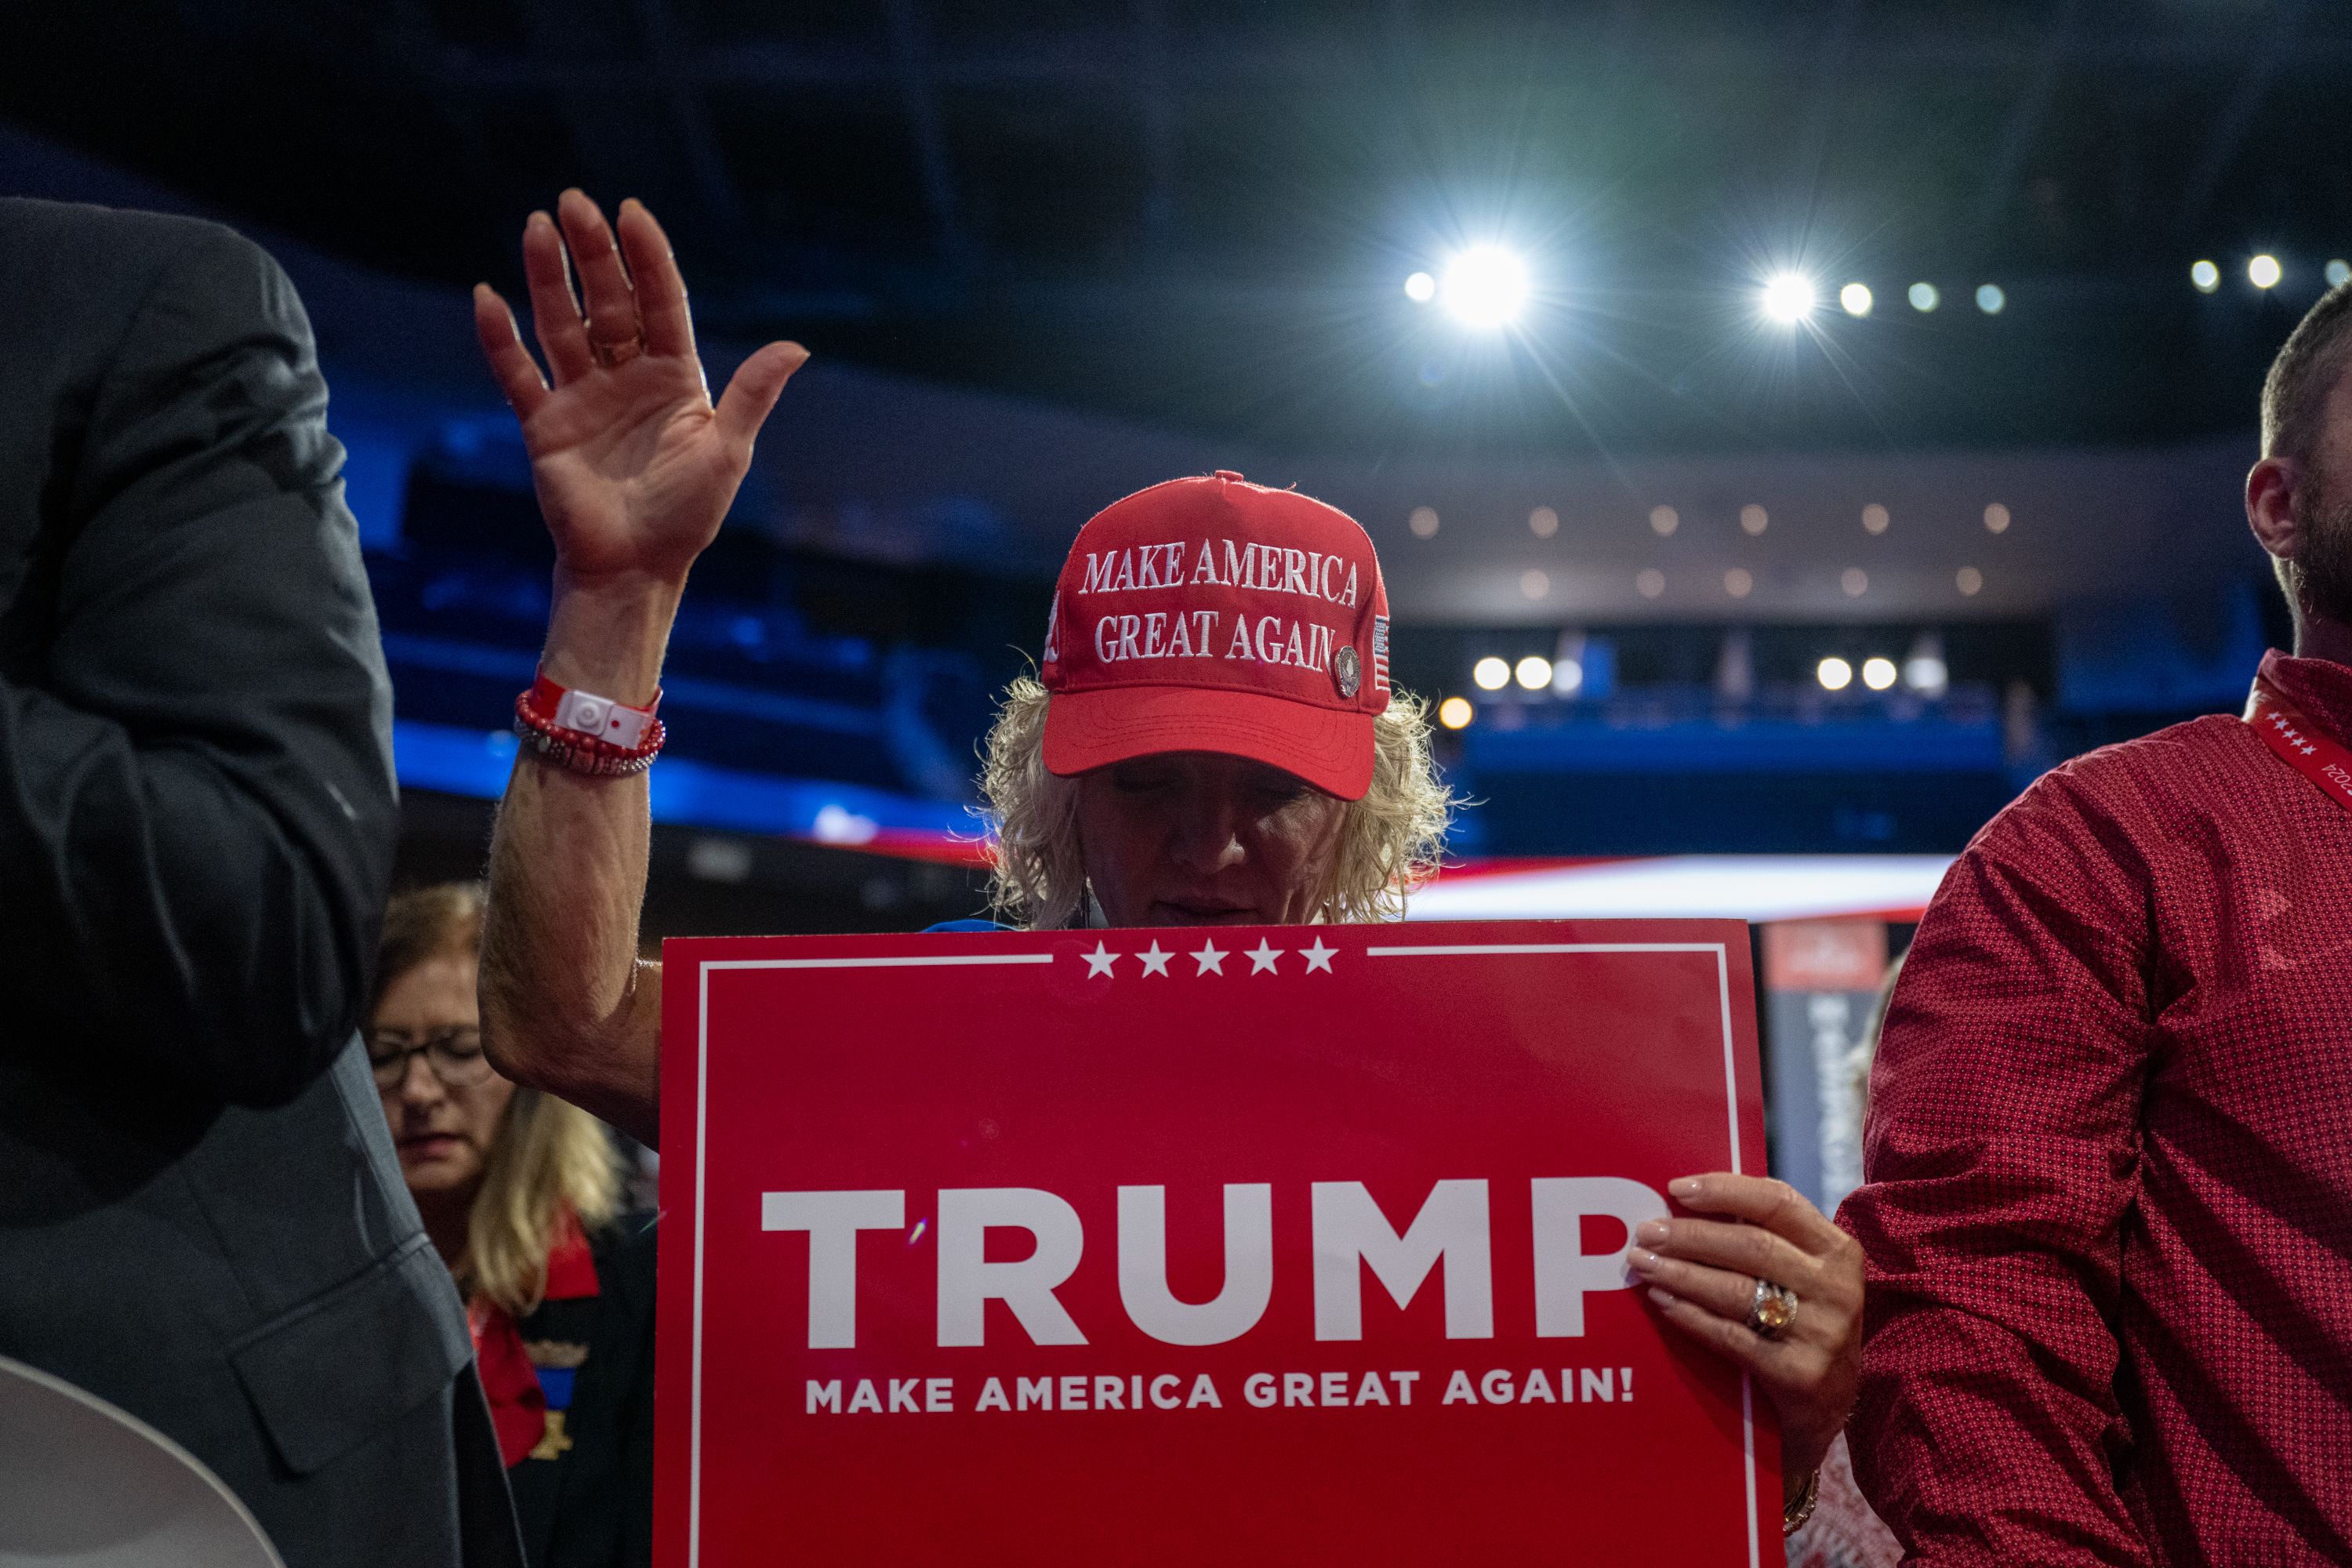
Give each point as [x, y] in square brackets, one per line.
[1214, 615]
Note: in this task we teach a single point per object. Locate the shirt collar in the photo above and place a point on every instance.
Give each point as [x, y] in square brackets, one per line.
[2321, 688]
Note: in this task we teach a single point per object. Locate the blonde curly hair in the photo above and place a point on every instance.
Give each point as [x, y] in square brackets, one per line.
[1389, 842]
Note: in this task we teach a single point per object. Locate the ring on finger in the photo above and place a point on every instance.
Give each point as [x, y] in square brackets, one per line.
[1771, 1310]
[612, 355]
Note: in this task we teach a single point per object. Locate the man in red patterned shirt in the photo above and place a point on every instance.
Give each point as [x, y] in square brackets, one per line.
[2109, 1211]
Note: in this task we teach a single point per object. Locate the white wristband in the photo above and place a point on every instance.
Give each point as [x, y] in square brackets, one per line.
[585, 713]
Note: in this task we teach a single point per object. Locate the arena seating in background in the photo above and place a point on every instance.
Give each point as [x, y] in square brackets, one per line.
[762, 677]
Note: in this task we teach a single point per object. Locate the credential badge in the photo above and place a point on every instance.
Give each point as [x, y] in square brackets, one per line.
[1348, 670]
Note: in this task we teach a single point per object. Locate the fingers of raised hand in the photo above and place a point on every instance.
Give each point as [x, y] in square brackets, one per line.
[612, 328]
[753, 389]
[653, 270]
[517, 373]
[554, 313]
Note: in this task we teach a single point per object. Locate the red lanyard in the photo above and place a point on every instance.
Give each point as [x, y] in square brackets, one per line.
[2285, 731]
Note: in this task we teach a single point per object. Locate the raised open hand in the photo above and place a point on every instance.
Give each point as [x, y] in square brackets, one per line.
[634, 467]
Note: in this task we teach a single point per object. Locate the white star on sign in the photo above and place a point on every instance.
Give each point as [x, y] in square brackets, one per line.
[1210, 961]
[1262, 957]
[1099, 961]
[1154, 961]
[1318, 956]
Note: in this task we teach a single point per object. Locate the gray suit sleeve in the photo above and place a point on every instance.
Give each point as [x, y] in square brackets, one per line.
[196, 797]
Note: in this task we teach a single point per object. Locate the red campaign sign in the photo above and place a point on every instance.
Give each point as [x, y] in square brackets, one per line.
[1266, 1246]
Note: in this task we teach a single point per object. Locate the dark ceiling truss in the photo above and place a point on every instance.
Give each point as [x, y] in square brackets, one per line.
[1103, 57]
[671, 55]
[910, 63]
[626, 79]
[1156, 98]
[2280, 44]
[2025, 120]
[597, 58]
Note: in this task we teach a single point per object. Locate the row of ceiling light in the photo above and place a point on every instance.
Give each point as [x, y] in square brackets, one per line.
[1486, 287]
[1544, 522]
[1535, 583]
[2264, 272]
[1738, 582]
[1924, 672]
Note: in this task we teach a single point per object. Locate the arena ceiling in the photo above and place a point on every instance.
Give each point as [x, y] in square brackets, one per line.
[1200, 212]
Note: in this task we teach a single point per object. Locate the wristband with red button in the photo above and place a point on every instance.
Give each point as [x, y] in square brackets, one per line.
[587, 733]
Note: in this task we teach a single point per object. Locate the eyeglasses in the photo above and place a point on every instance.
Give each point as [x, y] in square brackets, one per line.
[454, 1055]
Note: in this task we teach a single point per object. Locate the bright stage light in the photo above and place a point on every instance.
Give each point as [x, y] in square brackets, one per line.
[1543, 522]
[1834, 673]
[1424, 522]
[1925, 671]
[1421, 288]
[1855, 298]
[1534, 672]
[1991, 299]
[2205, 275]
[1739, 583]
[1491, 674]
[1875, 518]
[1485, 287]
[1969, 580]
[2339, 273]
[2263, 271]
[1566, 678]
[1455, 712]
[1754, 519]
[1996, 518]
[1923, 297]
[1789, 297]
[1878, 674]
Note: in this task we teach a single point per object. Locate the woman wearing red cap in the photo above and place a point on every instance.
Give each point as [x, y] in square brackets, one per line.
[1212, 739]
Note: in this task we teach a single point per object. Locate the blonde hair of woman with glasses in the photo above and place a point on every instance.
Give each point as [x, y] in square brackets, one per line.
[521, 1193]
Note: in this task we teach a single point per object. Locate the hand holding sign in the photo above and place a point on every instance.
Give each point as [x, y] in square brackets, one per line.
[1702, 1274]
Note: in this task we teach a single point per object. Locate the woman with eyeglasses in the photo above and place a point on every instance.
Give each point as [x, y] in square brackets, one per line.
[521, 1192]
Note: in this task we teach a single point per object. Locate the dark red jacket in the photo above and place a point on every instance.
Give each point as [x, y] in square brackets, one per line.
[2109, 1155]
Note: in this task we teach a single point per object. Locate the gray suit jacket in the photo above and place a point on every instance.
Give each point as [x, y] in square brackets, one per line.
[200, 1217]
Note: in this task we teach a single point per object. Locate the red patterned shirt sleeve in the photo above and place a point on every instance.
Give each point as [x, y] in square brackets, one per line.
[2001, 1153]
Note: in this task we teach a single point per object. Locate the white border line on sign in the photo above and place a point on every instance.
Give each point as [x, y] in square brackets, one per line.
[701, 1160]
[1730, 1095]
[701, 1142]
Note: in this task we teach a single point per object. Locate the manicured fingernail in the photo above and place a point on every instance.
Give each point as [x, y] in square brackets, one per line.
[1652, 1233]
[1684, 1186]
[1640, 1261]
[1663, 1298]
